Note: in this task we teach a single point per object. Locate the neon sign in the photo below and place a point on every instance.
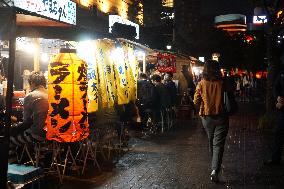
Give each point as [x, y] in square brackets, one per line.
[60, 10]
[259, 19]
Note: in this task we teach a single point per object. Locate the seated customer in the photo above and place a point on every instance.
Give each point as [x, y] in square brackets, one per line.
[163, 99]
[35, 112]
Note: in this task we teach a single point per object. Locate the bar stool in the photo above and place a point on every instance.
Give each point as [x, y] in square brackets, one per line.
[119, 146]
[42, 148]
[34, 155]
[58, 149]
[87, 150]
[24, 151]
[65, 148]
[105, 140]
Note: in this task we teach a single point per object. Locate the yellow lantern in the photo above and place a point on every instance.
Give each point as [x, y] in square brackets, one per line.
[67, 97]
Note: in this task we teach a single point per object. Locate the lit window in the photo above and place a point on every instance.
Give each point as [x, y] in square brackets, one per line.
[168, 3]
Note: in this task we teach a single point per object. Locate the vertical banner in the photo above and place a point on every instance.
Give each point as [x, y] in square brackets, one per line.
[93, 87]
[105, 65]
[87, 51]
[131, 66]
[135, 69]
[112, 73]
[121, 76]
[93, 80]
[67, 97]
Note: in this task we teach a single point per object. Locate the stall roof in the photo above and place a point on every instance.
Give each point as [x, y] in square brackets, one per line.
[143, 47]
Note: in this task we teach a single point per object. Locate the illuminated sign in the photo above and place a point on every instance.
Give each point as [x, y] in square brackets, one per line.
[201, 58]
[168, 3]
[118, 19]
[60, 10]
[279, 14]
[215, 56]
[85, 3]
[259, 19]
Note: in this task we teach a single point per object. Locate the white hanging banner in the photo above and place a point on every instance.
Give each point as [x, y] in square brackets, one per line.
[60, 10]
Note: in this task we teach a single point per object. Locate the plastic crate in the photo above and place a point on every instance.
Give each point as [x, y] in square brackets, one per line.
[21, 174]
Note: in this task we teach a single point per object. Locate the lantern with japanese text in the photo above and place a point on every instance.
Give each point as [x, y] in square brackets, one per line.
[67, 97]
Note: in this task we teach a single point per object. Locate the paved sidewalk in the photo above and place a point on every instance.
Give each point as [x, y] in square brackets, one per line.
[180, 159]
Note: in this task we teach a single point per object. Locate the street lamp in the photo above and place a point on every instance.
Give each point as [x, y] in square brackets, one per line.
[169, 47]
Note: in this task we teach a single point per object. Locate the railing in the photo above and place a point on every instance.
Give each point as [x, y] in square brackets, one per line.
[6, 3]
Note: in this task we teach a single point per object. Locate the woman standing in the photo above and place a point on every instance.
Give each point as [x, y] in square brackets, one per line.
[209, 97]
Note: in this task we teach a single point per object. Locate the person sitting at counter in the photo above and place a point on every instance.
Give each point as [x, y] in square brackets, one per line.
[34, 115]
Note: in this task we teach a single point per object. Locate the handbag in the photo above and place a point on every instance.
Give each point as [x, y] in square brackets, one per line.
[230, 103]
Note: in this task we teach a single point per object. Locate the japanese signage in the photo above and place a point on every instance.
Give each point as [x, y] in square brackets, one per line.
[60, 10]
[118, 19]
[67, 98]
[112, 73]
[166, 63]
[107, 86]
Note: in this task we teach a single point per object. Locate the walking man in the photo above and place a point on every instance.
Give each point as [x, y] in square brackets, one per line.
[277, 147]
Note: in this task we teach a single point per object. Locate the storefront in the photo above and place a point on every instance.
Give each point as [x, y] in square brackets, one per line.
[27, 19]
[184, 68]
[35, 32]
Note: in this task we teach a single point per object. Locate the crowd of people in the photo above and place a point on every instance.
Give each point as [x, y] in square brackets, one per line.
[246, 85]
[157, 95]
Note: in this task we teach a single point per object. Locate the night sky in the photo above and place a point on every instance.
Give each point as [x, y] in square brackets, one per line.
[218, 7]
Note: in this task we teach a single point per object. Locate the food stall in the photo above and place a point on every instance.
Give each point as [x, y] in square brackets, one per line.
[24, 19]
[182, 67]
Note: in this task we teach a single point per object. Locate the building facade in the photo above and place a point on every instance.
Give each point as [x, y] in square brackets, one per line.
[127, 9]
[158, 23]
[187, 18]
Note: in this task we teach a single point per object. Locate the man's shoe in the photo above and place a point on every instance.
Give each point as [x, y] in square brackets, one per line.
[272, 162]
[214, 176]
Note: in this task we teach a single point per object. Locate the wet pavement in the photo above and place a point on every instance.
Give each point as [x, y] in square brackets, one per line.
[180, 159]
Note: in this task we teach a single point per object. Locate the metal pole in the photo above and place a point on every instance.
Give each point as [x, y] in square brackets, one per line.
[4, 155]
[36, 54]
[144, 63]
